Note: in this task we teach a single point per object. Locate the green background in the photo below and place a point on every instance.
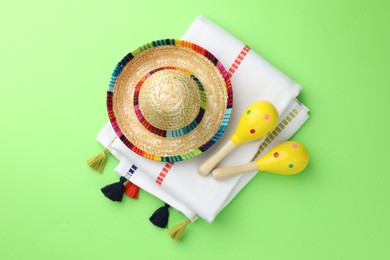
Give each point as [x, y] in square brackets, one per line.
[55, 61]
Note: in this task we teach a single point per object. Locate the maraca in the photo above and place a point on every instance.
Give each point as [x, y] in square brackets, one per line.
[286, 158]
[257, 121]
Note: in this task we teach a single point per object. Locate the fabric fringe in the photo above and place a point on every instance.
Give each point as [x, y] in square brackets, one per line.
[115, 190]
[131, 190]
[98, 161]
[161, 216]
[177, 231]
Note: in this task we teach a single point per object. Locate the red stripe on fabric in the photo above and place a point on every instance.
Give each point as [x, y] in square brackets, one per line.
[164, 172]
[238, 60]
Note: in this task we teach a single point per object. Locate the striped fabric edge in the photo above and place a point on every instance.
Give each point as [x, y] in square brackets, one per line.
[283, 123]
[238, 60]
[164, 172]
[130, 172]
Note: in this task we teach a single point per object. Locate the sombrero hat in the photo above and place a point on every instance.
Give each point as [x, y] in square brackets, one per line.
[169, 100]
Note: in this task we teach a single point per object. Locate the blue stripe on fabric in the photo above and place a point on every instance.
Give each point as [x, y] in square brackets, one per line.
[130, 172]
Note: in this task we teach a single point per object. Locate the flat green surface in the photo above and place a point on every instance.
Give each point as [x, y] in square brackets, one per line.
[55, 61]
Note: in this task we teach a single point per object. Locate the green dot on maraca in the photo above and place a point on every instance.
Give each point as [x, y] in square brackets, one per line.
[290, 165]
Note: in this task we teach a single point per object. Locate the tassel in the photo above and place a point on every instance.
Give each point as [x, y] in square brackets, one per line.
[160, 216]
[131, 190]
[115, 191]
[98, 161]
[177, 231]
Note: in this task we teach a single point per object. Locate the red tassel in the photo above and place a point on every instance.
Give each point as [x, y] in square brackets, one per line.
[131, 190]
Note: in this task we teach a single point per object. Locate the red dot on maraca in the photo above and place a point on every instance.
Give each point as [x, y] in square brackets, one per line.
[252, 131]
[276, 155]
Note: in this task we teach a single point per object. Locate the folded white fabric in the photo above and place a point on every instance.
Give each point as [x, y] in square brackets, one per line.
[253, 79]
[107, 138]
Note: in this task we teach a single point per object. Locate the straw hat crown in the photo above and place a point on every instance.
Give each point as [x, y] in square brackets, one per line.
[169, 100]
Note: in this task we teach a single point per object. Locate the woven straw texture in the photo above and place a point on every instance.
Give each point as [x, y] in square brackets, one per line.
[169, 100]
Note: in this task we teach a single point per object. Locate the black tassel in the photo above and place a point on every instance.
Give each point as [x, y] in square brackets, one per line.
[115, 191]
[160, 217]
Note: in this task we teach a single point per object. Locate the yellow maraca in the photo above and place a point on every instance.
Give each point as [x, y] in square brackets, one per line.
[257, 121]
[286, 158]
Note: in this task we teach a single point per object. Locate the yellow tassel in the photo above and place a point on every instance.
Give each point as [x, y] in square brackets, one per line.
[98, 161]
[177, 231]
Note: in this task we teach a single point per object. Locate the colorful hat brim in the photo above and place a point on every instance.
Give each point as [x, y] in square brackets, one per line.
[156, 146]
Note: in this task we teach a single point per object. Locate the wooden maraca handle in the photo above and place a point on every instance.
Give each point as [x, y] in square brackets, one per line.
[223, 173]
[206, 167]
